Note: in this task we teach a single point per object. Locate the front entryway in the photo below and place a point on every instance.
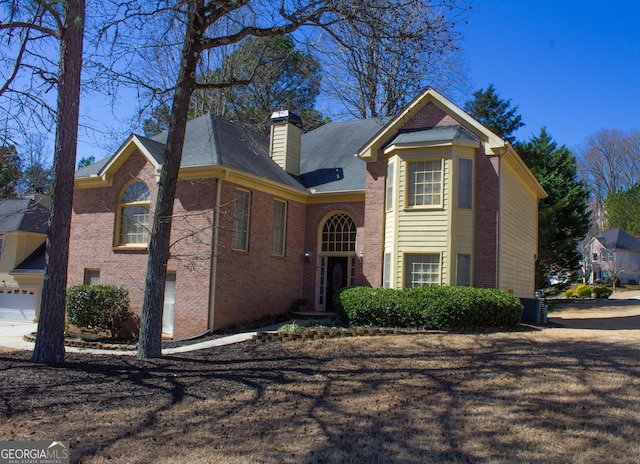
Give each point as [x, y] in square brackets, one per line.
[337, 258]
[337, 273]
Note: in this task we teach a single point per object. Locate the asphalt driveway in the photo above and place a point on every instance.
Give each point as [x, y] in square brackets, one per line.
[622, 312]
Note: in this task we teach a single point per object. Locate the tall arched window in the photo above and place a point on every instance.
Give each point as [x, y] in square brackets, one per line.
[339, 234]
[134, 215]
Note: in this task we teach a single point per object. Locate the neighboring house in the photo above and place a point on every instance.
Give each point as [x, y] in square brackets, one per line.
[23, 233]
[429, 197]
[613, 253]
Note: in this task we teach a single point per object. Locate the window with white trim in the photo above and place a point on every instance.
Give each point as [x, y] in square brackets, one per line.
[339, 234]
[133, 208]
[390, 181]
[241, 220]
[424, 183]
[465, 183]
[386, 273]
[463, 273]
[421, 270]
[279, 227]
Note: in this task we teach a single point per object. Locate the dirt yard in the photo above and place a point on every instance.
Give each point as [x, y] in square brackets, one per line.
[537, 395]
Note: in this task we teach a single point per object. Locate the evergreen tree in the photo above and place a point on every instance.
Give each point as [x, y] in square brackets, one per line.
[10, 173]
[274, 76]
[622, 210]
[494, 113]
[563, 220]
[86, 161]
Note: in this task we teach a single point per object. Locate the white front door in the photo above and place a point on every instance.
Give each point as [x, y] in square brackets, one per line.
[169, 303]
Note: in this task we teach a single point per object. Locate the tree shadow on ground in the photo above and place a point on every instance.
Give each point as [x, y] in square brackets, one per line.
[415, 398]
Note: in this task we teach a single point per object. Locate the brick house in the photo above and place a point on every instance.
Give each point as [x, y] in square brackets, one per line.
[429, 197]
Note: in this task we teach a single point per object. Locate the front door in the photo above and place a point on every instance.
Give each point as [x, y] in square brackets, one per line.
[337, 274]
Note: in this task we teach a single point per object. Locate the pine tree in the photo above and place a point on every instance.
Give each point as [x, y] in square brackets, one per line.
[495, 113]
[563, 220]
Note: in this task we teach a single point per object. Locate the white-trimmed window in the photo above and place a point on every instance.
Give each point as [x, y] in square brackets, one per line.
[133, 209]
[424, 179]
[241, 220]
[386, 273]
[465, 183]
[463, 272]
[421, 270]
[279, 227]
[339, 234]
[390, 181]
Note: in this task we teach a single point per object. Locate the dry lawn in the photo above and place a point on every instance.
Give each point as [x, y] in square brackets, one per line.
[552, 395]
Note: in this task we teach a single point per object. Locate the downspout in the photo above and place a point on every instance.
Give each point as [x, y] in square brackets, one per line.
[214, 249]
[504, 150]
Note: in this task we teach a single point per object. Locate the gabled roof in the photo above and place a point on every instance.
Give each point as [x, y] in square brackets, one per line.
[210, 141]
[33, 264]
[493, 142]
[619, 239]
[24, 215]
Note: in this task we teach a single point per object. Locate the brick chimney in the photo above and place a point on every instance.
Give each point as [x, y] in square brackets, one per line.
[284, 144]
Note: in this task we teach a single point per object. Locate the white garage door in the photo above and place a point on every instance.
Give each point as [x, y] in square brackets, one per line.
[19, 306]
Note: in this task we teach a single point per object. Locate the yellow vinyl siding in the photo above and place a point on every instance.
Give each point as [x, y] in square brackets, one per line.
[462, 219]
[518, 234]
[422, 229]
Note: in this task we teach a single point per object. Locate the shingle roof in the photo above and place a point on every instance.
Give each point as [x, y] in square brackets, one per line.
[435, 134]
[25, 215]
[619, 239]
[328, 162]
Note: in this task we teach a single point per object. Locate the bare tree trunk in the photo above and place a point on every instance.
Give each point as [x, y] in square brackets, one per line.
[49, 346]
[150, 343]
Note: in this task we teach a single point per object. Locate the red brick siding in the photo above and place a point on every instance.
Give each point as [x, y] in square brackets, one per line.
[316, 214]
[251, 284]
[487, 202]
[430, 116]
[92, 234]
[374, 221]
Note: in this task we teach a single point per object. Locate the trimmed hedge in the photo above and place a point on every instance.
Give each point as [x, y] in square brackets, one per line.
[428, 307]
[101, 307]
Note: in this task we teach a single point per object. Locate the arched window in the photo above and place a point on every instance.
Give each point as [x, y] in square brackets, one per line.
[134, 215]
[339, 234]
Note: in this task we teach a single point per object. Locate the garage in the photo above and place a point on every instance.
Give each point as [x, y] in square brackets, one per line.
[18, 305]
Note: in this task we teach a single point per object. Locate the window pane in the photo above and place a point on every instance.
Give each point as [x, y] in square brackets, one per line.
[241, 221]
[465, 183]
[425, 183]
[134, 215]
[464, 270]
[389, 198]
[279, 222]
[344, 238]
[422, 270]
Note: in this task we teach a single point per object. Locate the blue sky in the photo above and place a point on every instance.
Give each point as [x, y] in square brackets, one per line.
[572, 66]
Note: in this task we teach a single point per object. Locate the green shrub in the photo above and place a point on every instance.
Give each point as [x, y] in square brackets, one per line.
[602, 292]
[583, 291]
[428, 307]
[569, 293]
[101, 307]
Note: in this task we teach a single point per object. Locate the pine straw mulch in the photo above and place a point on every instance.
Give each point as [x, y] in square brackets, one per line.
[550, 395]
